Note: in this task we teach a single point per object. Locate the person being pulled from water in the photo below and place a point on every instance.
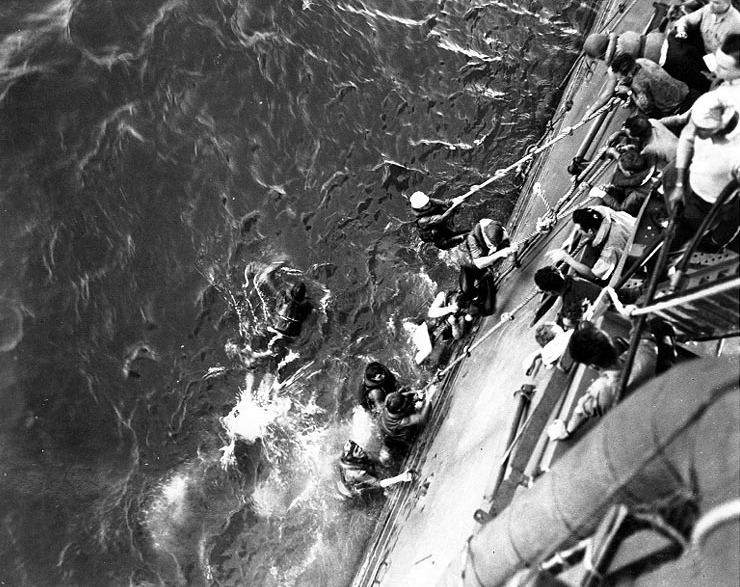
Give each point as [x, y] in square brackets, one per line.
[434, 221]
[487, 243]
[359, 475]
[402, 418]
[291, 310]
[377, 382]
[446, 321]
[606, 233]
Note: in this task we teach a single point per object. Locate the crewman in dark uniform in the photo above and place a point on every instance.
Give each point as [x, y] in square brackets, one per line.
[434, 221]
[292, 310]
[402, 419]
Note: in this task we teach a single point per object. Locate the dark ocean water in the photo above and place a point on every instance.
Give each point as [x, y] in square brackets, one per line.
[163, 164]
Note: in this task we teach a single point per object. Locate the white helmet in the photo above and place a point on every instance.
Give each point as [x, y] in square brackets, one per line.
[418, 200]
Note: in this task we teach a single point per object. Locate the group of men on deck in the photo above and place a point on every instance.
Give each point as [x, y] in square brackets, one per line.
[693, 157]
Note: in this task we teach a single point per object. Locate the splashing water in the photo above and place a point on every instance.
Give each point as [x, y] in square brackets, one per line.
[165, 166]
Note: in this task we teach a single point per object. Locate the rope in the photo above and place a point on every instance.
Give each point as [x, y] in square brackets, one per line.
[710, 291]
[505, 317]
[566, 132]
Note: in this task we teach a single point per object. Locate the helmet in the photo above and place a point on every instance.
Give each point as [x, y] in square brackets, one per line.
[595, 45]
[418, 200]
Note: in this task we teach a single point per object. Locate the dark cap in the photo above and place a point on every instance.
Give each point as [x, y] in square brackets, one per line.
[397, 403]
[298, 291]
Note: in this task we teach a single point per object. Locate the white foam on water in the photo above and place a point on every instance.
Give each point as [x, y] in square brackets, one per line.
[247, 421]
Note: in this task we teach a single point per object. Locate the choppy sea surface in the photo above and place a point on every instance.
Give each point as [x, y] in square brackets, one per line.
[166, 166]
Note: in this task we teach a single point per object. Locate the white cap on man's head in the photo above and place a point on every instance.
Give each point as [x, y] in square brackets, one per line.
[418, 200]
[711, 112]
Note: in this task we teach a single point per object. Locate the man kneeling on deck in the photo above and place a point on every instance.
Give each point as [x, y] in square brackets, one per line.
[606, 232]
[358, 473]
[594, 347]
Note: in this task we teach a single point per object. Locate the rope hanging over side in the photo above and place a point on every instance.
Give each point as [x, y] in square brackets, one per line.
[566, 132]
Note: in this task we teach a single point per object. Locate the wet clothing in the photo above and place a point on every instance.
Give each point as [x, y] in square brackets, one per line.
[441, 328]
[477, 289]
[434, 229]
[626, 193]
[358, 478]
[477, 245]
[397, 428]
[291, 314]
[635, 44]
[371, 393]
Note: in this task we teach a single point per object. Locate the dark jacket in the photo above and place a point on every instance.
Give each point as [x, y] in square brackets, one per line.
[291, 314]
[477, 291]
[477, 246]
[430, 224]
[394, 427]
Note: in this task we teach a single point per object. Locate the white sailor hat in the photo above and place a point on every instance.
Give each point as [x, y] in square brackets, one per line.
[711, 112]
[418, 200]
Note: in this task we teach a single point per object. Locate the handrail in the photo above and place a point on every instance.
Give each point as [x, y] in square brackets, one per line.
[677, 300]
[649, 295]
[724, 197]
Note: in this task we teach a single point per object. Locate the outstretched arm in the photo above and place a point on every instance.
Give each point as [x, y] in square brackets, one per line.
[404, 477]
[609, 86]
[684, 154]
[438, 309]
[558, 255]
[483, 262]
[419, 418]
